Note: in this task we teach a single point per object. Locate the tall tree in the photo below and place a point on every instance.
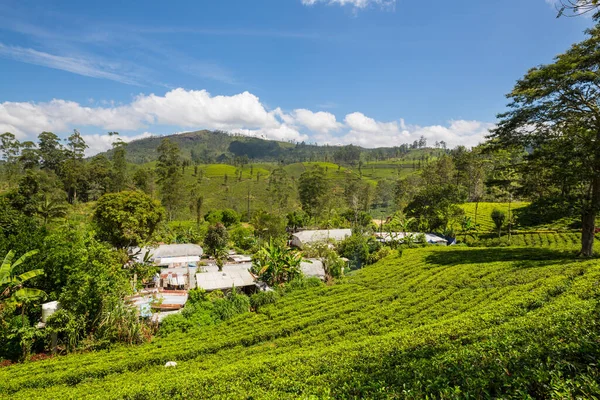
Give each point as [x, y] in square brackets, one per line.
[561, 102]
[51, 152]
[29, 157]
[119, 165]
[169, 176]
[313, 186]
[9, 148]
[72, 169]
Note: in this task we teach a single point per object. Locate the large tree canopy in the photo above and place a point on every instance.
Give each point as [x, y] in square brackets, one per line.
[127, 218]
[559, 104]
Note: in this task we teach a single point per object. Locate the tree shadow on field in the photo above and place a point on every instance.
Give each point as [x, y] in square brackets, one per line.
[529, 257]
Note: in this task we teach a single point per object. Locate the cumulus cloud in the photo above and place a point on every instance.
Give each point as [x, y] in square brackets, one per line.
[357, 4]
[243, 113]
[98, 143]
[319, 122]
[367, 132]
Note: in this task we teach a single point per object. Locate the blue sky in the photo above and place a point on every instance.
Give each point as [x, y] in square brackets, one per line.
[368, 72]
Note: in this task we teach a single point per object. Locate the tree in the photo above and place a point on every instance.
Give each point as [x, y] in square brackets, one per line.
[29, 157]
[51, 152]
[312, 188]
[49, 209]
[169, 176]
[276, 264]
[498, 217]
[230, 217]
[280, 189]
[11, 284]
[127, 219]
[9, 148]
[143, 179]
[72, 169]
[577, 7]
[198, 209]
[436, 208]
[13, 293]
[216, 243]
[560, 102]
[119, 166]
[269, 226]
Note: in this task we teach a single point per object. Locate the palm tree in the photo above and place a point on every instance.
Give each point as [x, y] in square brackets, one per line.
[11, 285]
[49, 209]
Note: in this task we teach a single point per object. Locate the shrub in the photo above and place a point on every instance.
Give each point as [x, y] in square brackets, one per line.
[230, 217]
[261, 299]
[242, 237]
[356, 249]
[379, 254]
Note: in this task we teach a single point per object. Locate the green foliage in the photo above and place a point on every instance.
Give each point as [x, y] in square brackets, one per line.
[204, 310]
[438, 323]
[216, 240]
[436, 207]
[230, 217]
[275, 264]
[356, 249]
[380, 254]
[127, 218]
[262, 299]
[499, 218]
[554, 110]
[333, 264]
[313, 186]
[242, 237]
[268, 226]
[480, 214]
[11, 283]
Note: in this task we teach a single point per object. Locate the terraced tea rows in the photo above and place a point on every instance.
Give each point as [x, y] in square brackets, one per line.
[437, 321]
[484, 213]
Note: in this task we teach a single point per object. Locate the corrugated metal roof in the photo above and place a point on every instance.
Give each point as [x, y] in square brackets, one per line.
[322, 235]
[313, 268]
[170, 251]
[429, 237]
[232, 275]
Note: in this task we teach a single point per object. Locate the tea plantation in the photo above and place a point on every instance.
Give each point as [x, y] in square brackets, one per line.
[455, 322]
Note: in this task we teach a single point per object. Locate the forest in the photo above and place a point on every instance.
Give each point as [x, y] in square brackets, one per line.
[510, 309]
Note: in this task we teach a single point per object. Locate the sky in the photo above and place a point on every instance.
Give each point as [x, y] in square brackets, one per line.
[365, 72]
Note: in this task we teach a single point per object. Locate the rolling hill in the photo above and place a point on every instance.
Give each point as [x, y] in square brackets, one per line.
[439, 322]
[207, 147]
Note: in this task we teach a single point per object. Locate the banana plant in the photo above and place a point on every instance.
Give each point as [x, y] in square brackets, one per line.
[11, 285]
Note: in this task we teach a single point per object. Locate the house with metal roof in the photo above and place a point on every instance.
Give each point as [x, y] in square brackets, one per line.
[313, 268]
[171, 255]
[210, 278]
[302, 238]
[430, 238]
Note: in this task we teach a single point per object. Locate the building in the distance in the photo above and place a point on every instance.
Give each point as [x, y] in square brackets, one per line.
[299, 239]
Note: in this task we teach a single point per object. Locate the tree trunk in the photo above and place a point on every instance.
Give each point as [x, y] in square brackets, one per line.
[588, 220]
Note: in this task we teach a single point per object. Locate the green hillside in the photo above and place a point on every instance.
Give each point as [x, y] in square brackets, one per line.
[216, 147]
[441, 322]
[483, 219]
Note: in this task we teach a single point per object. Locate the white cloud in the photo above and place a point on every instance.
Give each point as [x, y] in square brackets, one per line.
[367, 132]
[357, 4]
[320, 122]
[98, 143]
[242, 113]
[79, 66]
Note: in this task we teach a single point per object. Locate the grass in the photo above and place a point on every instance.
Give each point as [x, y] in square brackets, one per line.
[438, 322]
[484, 213]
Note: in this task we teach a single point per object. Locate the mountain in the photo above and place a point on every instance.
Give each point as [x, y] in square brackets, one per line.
[206, 147]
